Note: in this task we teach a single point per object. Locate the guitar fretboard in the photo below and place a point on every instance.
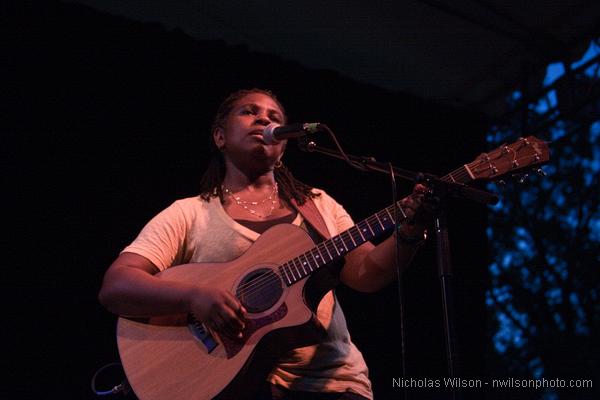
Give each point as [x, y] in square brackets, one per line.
[338, 246]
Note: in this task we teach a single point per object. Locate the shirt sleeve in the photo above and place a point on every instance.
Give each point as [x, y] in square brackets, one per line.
[333, 212]
[163, 238]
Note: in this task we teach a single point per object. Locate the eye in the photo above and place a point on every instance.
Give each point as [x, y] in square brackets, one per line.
[276, 118]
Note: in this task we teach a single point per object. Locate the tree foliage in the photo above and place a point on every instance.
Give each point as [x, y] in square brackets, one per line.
[545, 237]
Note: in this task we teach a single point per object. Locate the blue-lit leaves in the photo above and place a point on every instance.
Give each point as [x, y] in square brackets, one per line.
[524, 242]
[595, 132]
[581, 325]
[512, 325]
[544, 237]
[557, 131]
[546, 103]
[593, 50]
[554, 296]
[507, 334]
[536, 367]
[516, 95]
[594, 227]
[553, 72]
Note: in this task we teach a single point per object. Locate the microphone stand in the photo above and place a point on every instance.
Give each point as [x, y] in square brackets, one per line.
[443, 190]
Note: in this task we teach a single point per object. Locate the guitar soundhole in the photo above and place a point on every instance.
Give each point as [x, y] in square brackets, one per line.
[259, 290]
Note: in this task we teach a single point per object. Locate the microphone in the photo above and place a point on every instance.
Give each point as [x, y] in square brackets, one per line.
[274, 133]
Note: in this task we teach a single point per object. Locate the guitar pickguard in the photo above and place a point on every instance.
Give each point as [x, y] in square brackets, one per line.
[233, 346]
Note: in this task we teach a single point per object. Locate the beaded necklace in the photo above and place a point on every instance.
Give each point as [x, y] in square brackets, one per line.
[272, 198]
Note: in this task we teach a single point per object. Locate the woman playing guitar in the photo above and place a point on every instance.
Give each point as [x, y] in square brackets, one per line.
[245, 192]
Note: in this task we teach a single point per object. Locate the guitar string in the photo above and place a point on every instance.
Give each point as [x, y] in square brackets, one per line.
[463, 172]
[329, 244]
[260, 283]
[326, 245]
[254, 290]
[256, 285]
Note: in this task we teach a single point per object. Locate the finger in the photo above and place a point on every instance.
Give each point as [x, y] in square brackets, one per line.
[408, 204]
[234, 304]
[420, 188]
[408, 200]
[211, 325]
[230, 311]
[218, 323]
[232, 326]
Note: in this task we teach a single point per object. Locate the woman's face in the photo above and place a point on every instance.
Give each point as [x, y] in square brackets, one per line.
[240, 136]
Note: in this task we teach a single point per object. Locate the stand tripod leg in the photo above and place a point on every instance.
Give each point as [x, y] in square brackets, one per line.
[445, 275]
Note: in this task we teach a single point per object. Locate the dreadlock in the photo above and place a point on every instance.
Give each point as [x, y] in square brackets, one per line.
[212, 180]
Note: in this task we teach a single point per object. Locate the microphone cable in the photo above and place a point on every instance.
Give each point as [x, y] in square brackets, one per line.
[122, 387]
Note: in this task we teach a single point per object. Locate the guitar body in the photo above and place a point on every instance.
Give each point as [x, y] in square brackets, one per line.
[176, 357]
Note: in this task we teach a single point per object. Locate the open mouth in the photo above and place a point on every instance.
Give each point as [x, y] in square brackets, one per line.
[258, 135]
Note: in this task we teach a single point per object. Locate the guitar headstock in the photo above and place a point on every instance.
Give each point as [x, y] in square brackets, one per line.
[512, 158]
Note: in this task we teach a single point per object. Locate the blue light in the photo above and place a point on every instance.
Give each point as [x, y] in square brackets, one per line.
[592, 51]
[553, 72]
[554, 295]
[559, 199]
[494, 269]
[506, 259]
[595, 131]
[546, 103]
[536, 367]
[594, 226]
[538, 262]
[558, 319]
[557, 132]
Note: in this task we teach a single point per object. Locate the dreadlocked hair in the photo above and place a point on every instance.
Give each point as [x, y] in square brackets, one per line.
[211, 184]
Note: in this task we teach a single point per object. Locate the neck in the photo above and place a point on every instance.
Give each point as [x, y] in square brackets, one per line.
[236, 179]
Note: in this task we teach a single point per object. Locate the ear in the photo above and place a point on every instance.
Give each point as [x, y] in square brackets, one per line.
[283, 146]
[219, 137]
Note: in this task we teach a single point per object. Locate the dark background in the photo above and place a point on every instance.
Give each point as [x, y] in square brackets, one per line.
[105, 124]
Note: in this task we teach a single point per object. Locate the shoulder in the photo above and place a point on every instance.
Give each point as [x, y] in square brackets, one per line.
[327, 204]
[195, 206]
[189, 208]
[195, 203]
[323, 198]
[333, 212]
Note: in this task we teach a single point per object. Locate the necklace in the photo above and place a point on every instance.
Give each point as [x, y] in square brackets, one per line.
[248, 205]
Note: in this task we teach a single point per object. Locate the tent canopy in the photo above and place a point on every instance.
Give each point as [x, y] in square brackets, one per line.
[471, 53]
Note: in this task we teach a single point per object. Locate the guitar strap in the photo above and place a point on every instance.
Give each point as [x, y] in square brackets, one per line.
[328, 278]
[313, 217]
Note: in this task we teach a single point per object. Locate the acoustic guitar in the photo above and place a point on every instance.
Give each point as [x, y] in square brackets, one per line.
[279, 281]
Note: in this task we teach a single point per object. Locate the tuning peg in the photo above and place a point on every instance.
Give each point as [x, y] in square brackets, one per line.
[541, 172]
[502, 182]
[523, 178]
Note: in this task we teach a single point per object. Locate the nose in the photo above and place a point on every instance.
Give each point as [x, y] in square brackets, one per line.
[263, 119]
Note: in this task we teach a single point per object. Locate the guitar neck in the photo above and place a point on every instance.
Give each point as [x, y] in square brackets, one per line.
[338, 246]
[524, 153]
